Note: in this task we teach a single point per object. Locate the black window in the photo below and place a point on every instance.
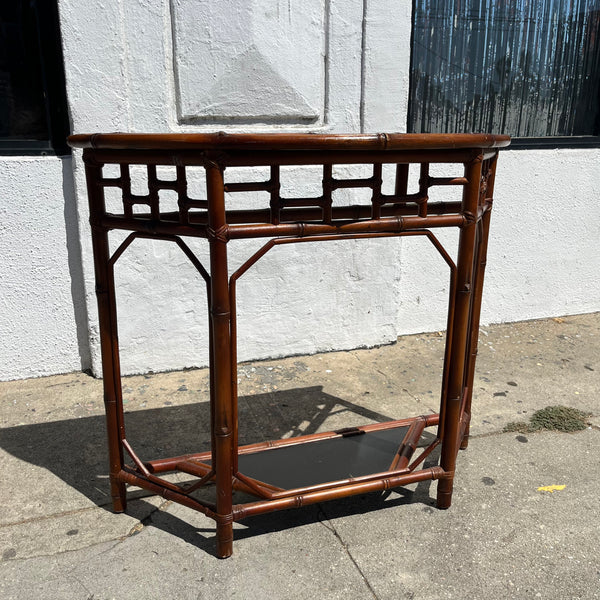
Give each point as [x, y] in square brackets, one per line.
[529, 68]
[33, 109]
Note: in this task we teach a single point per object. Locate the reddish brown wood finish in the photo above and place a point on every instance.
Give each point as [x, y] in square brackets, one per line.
[285, 221]
[286, 141]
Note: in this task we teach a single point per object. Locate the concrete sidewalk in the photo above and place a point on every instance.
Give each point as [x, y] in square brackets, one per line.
[502, 538]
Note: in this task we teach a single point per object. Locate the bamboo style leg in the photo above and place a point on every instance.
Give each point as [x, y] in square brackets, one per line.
[221, 395]
[477, 295]
[109, 343]
[462, 314]
[473, 336]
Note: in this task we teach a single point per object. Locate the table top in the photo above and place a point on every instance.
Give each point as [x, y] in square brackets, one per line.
[287, 141]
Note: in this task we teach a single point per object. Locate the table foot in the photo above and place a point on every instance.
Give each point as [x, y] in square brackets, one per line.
[465, 438]
[119, 496]
[224, 540]
[444, 494]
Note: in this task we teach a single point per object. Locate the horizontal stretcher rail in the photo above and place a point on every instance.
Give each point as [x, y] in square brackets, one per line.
[257, 159]
[241, 158]
[399, 223]
[402, 207]
[139, 481]
[242, 511]
[386, 224]
[277, 493]
[427, 420]
[170, 464]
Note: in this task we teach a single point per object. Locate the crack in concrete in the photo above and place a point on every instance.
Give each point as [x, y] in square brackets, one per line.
[386, 376]
[69, 573]
[147, 520]
[52, 516]
[89, 595]
[330, 527]
[70, 551]
[137, 528]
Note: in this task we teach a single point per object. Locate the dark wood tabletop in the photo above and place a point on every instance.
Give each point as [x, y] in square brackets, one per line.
[287, 141]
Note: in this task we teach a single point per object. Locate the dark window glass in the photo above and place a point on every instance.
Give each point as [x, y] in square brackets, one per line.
[33, 116]
[529, 68]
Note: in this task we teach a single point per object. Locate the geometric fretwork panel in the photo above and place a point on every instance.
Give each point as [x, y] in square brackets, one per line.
[171, 198]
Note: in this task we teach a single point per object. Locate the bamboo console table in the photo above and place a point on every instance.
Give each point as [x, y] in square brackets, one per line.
[351, 461]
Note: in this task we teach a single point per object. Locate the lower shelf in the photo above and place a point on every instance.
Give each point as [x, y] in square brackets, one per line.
[325, 460]
[304, 470]
[319, 461]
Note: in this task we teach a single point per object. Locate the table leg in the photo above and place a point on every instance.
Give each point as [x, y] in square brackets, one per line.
[221, 396]
[107, 316]
[462, 315]
[480, 264]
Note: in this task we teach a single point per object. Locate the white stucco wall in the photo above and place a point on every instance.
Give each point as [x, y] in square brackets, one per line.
[38, 329]
[542, 254]
[166, 65]
[133, 70]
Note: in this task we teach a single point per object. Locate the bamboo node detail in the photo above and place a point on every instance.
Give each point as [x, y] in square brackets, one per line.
[469, 218]
[221, 234]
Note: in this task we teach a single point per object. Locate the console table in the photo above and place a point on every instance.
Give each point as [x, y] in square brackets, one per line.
[352, 460]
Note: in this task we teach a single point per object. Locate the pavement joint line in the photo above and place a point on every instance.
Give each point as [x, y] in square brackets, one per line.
[52, 516]
[114, 543]
[331, 527]
[76, 511]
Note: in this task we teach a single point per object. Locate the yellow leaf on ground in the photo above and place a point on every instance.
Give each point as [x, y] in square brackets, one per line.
[551, 488]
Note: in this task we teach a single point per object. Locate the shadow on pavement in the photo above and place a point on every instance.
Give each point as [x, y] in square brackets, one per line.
[75, 451]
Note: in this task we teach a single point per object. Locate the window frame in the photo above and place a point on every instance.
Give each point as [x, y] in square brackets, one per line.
[53, 83]
[537, 143]
[517, 143]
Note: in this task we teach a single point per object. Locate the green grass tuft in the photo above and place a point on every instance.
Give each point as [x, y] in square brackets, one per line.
[554, 418]
[517, 427]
